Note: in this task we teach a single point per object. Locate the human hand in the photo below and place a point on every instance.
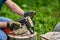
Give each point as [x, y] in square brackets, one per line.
[31, 14]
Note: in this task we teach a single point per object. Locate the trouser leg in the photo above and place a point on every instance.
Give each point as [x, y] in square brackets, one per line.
[3, 19]
[3, 36]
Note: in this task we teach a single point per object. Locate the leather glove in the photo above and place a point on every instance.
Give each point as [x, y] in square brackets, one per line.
[13, 25]
[31, 14]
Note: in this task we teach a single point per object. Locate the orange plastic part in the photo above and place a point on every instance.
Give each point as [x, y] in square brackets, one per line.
[7, 30]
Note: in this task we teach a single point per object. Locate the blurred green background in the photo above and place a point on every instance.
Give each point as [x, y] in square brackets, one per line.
[47, 13]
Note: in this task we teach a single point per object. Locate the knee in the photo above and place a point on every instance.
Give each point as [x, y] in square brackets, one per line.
[3, 36]
[3, 19]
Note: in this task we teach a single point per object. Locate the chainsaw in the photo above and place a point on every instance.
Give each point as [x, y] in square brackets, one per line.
[27, 23]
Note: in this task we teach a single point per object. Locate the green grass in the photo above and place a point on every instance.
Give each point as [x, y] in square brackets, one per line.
[47, 13]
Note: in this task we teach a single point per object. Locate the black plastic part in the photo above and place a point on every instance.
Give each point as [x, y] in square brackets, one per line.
[27, 25]
[14, 26]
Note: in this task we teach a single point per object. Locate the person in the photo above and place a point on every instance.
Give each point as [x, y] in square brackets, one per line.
[4, 21]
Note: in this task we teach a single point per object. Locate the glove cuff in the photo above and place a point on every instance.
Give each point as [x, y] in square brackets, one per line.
[7, 24]
[25, 14]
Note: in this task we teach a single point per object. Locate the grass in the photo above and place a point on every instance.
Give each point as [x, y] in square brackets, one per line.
[47, 13]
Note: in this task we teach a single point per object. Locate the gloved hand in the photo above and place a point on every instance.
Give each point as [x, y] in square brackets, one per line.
[13, 25]
[31, 14]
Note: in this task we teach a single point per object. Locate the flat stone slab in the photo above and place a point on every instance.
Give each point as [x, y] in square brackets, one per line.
[50, 36]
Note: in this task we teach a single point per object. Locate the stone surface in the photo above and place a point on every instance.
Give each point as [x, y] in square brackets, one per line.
[51, 36]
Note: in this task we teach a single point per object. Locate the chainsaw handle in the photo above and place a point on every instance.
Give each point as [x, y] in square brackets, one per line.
[31, 29]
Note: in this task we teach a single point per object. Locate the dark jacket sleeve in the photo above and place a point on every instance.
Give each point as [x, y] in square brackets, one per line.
[4, 0]
[1, 3]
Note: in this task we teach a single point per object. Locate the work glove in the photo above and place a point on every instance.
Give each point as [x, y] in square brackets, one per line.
[31, 14]
[13, 25]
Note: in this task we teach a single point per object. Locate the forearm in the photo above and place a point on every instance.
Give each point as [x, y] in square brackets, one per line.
[3, 24]
[14, 7]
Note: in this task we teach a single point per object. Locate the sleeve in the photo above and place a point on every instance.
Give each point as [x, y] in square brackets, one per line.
[4, 0]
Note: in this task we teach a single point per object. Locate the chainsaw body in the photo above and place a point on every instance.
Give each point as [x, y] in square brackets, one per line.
[27, 23]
